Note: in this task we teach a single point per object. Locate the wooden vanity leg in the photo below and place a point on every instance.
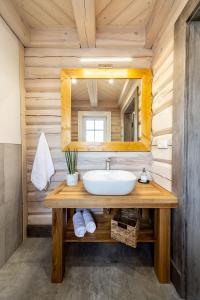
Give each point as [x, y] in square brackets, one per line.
[58, 223]
[162, 244]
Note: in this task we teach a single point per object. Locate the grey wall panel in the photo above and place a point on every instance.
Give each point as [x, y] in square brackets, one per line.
[10, 200]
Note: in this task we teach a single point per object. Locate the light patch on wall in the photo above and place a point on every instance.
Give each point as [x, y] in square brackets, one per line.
[9, 87]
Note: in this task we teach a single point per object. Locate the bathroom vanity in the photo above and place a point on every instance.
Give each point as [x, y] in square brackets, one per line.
[64, 198]
[108, 109]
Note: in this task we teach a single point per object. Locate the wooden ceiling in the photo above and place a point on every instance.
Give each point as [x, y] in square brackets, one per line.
[58, 13]
[105, 90]
[40, 14]
[117, 24]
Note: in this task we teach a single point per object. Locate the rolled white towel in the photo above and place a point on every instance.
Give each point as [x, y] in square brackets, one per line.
[89, 221]
[79, 224]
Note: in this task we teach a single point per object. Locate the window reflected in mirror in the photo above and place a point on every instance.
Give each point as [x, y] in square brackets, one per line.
[105, 110]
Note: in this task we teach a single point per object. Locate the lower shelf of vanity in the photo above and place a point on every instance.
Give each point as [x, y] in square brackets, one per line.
[102, 233]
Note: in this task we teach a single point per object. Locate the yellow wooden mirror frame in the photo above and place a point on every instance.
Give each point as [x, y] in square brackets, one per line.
[145, 74]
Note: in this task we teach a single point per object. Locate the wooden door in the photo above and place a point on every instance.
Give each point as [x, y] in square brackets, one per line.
[193, 165]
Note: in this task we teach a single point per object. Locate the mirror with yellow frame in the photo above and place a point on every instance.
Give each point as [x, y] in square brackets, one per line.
[106, 109]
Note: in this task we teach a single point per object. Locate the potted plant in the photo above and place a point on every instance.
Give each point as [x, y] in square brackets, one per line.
[71, 160]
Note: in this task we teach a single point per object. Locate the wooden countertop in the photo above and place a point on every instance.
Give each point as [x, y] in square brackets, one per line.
[144, 196]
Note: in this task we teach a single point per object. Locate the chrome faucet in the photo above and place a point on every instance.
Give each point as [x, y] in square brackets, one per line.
[108, 161]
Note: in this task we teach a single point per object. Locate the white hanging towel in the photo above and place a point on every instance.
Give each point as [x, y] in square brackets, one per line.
[43, 167]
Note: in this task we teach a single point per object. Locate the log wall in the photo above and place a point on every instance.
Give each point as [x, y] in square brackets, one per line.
[162, 90]
[42, 85]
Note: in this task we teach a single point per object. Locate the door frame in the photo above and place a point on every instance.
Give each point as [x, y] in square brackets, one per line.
[179, 154]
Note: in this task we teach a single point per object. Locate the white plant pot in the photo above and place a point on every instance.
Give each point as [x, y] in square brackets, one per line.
[72, 179]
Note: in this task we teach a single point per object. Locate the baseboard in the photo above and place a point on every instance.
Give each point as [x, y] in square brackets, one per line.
[39, 230]
[178, 280]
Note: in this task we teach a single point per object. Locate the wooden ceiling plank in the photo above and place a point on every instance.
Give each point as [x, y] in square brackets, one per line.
[141, 19]
[160, 11]
[112, 10]
[92, 92]
[31, 20]
[55, 12]
[132, 11]
[84, 13]
[28, 18]
[101, 5]
[46, 9]
[66, 7]
[35, 8]
[13, 20]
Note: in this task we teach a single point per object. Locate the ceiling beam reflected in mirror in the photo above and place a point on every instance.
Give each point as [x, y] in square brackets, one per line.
[123, 92]
[92, 92]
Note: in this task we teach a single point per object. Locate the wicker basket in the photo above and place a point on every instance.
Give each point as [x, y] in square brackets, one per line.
[125, 226]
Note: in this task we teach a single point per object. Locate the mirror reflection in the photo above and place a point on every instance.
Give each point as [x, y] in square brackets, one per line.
[105, 110]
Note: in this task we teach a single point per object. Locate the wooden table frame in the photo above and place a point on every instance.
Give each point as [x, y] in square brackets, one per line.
[151, 196]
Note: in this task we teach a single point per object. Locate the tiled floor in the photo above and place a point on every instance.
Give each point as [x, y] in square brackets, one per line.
[93, 272]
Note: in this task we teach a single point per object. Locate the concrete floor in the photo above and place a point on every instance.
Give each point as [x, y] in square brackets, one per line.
[93, 272]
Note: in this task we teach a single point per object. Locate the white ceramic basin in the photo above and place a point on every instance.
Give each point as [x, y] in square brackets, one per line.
[111, 182]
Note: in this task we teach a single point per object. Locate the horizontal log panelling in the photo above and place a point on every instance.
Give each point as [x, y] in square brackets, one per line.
[43, 96]
[162, 121]
[163, 169]
[43, 114]
[163, 181]
[164, 155]
[162, 111]
[161, 102]
[74, 62]
[42, 85]
[163, 80]
[42, 120]
[158, 138]
[89, 52]
[61, 49]
[161, 53]
[163, 68]
[42, 103]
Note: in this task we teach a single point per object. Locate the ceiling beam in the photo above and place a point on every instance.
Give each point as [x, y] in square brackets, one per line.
[13, 20]
[84, 13]
[92, 91]
[123, 92]
[160, 11]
